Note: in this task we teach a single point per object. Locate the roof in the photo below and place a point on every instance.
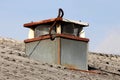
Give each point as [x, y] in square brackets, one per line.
[31, 24]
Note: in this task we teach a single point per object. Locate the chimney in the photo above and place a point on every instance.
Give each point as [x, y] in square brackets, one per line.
[58, 41]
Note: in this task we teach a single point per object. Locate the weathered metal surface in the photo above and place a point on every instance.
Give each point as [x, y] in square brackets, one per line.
[76, 22]
[34, 24]
[37, 38]
[74, 54]
[72, 37]
[68, 52]
[58, 41]
[43, 30]
[45, 51]
[57, 35]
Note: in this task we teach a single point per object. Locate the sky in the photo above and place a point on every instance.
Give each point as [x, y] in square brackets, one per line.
[103, 17]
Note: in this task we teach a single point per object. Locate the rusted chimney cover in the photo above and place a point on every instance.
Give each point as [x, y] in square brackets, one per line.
[31, 24]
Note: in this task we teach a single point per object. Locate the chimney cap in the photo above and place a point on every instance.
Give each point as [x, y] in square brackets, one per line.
[33, 24]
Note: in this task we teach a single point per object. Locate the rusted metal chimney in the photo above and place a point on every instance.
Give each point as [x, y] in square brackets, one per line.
[58, 41]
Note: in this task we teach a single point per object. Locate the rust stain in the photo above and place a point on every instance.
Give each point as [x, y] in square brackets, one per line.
[88, 71]
[43, 37]
[59, 51]
[69, 36]
[31, 24]
[71, 67]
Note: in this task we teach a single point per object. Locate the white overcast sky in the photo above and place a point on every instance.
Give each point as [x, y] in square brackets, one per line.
[103, 17]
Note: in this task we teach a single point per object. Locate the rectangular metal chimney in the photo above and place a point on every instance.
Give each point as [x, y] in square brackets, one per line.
[69, 47]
